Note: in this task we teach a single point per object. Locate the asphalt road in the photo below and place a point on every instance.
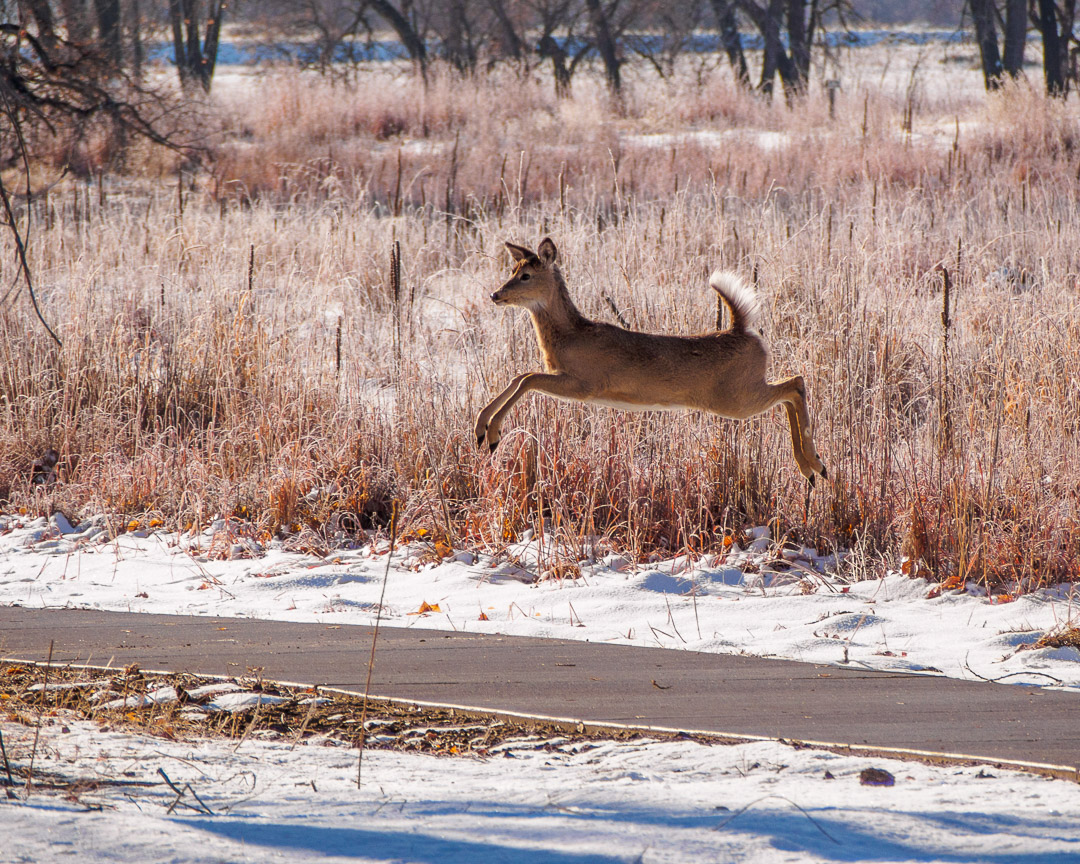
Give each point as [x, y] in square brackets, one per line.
[581, 681]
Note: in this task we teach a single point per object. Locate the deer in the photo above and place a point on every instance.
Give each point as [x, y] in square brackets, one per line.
[722, 372]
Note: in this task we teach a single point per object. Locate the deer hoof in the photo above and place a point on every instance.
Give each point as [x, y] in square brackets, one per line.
[491, 447]
[824, 473]
[811, 480]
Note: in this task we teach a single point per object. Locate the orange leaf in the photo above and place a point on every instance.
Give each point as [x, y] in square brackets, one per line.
[483, 617]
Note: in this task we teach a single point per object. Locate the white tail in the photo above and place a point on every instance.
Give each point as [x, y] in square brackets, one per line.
[588, 361]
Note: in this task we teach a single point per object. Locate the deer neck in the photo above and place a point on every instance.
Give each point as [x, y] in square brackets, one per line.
[554, 321]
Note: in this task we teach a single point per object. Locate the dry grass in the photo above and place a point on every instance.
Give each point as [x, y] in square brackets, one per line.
[188, 387]
[297, 714]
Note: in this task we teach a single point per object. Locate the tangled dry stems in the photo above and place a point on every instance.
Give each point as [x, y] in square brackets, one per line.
[233, 344]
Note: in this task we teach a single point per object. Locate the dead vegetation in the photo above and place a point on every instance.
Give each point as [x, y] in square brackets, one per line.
[313, 716]
[237, 344]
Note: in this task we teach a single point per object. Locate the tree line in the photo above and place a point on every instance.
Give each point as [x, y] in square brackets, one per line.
[83, 59]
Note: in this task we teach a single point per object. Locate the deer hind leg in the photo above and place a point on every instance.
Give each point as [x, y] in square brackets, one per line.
[490, 420]
[792, 392]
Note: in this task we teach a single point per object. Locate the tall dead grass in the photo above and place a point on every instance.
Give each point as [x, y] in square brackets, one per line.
[234, 346]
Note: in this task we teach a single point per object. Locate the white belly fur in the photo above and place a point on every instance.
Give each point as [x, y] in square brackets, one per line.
[635, 406]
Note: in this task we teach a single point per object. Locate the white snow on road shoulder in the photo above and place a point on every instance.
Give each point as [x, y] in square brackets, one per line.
[674, 801]
[753, 600]
[636, 801]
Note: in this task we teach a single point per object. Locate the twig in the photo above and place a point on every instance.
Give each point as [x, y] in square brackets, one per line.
[7, 765]
[251, 725]
[374, 639]
[20, 246]
[742, 810]
[1007, 675]
[202, 808]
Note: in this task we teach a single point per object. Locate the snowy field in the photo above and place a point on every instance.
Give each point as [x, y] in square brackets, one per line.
[628, 801]
[582, 804]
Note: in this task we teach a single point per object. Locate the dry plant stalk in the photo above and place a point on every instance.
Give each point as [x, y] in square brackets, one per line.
[296, 417]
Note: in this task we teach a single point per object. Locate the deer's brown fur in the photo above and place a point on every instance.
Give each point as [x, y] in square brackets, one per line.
[589, 361]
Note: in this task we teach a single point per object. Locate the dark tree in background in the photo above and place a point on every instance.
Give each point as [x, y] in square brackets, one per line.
[724, 10]
[984, 17]
[195, 60]
[1054, 22]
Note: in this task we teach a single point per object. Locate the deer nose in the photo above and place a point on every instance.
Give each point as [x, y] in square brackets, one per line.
[495, 296]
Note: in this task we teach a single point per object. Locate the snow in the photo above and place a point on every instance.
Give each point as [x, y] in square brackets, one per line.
[583, 803]
[754, 599]
[575, 803]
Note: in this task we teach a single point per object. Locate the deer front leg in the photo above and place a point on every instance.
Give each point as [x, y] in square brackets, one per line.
[489, 422]
[485, 415]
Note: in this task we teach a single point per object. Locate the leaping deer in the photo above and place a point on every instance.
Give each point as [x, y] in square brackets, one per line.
[589, 361]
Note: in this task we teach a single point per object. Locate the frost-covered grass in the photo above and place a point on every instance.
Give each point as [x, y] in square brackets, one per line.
[235, 347]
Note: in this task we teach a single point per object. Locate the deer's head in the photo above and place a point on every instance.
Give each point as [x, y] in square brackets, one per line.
[533, 282]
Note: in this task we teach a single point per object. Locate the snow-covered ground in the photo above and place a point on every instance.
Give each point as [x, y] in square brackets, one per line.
[751, 600]
[637, 801]
[571, 804]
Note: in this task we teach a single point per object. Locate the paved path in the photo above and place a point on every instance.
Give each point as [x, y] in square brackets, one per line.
[581, 681]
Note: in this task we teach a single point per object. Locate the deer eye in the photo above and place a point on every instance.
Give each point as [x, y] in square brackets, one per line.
[525, 277]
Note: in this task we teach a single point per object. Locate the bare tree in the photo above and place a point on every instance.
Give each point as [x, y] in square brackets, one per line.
[195, 59]
[803, 21]
[604, 38]
[985, 16]
[724, 10]
[1055, 22]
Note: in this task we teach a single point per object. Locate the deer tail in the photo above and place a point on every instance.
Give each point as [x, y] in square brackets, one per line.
[740, 299]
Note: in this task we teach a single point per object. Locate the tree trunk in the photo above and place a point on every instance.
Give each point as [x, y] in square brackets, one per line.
[176, 21]
[982, 16]
[108, 23]
[770, 31]
[1056, 23]
[730, 39]
[1055, 49]
[73, 13]
[137, 52]
[405, 31]
[453, 36]
[1015, 36]
[551, 49]
[605, 44]
[194, 62]
[798, 45]
[211, 42]
[508, 37]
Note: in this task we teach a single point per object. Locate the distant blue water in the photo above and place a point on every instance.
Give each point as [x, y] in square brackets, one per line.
[245, 53]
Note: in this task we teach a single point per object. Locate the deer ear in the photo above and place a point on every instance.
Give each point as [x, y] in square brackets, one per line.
[520, 253]
[547, 253]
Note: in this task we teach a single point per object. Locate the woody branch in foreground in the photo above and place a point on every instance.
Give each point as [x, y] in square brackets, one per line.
[53, 87]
